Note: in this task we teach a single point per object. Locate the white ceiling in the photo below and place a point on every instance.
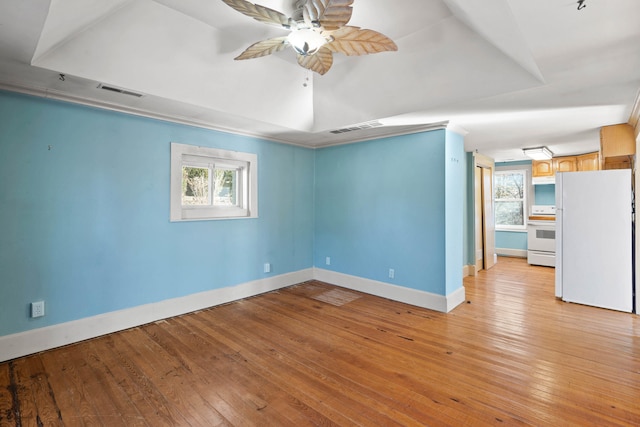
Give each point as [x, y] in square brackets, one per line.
[511, 73]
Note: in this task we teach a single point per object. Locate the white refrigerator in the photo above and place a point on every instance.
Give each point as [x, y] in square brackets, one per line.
[594, 238]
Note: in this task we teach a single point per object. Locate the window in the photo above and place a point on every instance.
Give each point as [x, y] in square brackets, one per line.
[210, 183]
[510, 198]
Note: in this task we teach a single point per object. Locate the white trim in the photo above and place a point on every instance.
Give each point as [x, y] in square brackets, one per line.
[465, 271]
[634, 118]
[183, 154]
[36, 340]
[469, 270]
[529, 194]
[393, 292]
[456, 298]
[400, 131]
[456, 128]
[480, 160]
[190, 121]
[516, 253]
[140, 112]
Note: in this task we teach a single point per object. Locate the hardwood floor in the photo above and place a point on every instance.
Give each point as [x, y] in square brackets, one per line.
[314, 354]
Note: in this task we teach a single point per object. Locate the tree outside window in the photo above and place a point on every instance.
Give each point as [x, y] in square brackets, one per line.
[196, 183]
[510, 198]
[195, 186]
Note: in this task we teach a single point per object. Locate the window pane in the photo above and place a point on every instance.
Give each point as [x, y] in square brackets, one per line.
[225, 187]
[509, 185]
[509, 213]
[195, 186]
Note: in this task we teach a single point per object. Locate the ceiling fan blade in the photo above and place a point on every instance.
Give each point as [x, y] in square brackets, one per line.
[356, 41]
[261, 13]
[263, 48]
[320, 62]
[329, 14]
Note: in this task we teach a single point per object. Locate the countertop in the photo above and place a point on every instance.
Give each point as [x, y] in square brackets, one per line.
[542, 218]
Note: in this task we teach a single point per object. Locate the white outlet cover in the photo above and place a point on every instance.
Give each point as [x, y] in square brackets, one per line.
[37, 309]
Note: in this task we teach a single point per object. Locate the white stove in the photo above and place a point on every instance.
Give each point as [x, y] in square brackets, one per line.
[541, 236]
[545, 211]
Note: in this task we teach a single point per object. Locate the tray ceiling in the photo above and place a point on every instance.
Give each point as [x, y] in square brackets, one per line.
[510, 73]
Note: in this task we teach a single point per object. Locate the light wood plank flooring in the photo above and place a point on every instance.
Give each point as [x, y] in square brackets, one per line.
[315, 354]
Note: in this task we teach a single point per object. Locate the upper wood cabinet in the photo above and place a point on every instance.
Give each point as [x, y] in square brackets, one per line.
[584, 162]
[542, 168]
[588, 162]
[617, 146]
[565, 164]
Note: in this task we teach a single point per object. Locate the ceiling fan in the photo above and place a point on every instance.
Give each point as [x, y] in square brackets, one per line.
[318, 28]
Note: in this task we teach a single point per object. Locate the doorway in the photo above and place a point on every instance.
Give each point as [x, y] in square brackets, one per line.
[483, 217]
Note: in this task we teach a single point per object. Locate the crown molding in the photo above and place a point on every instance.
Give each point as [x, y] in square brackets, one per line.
[634, 118]
[103, 105]
[455, 128]
[379, 133]
[391, 132]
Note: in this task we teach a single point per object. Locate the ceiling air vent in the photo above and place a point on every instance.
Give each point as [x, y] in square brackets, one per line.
[118, 90]
[359, 126]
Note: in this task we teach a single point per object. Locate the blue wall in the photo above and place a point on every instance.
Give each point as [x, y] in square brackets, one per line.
[85, 224]
[84, 211]
[455, 183]
[511, 240]
[545, 194]
[381, 204]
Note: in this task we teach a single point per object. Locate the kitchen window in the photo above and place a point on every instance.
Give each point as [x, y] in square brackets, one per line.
[511, 199]
[210, 183]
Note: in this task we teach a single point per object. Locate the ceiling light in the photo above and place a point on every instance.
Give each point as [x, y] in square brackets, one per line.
[306, 41]
[538, 153]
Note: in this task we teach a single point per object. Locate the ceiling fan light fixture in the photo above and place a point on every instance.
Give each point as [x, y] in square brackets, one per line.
[317, 30]
[306, 41]
[538, 153]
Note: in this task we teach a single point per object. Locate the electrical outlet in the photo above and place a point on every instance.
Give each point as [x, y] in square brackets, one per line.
[392, 273]
[327, 260]
[37, 309]
[267, 267]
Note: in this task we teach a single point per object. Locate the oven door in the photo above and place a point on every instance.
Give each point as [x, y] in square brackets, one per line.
[541, 236]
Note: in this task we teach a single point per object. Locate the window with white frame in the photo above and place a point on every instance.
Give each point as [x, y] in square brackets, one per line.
[510, 199]
[211, 183]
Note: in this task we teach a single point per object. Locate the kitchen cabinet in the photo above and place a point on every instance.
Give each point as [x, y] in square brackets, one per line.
[617, 146]
[565, 164]
[548, 168]
[542, 168]
[588, 162]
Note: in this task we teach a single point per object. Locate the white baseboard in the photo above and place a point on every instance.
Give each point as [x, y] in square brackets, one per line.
[36, 340]
[48, 337]
[516, 253]
[456, 298]
[469, 270]
[393, 292]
